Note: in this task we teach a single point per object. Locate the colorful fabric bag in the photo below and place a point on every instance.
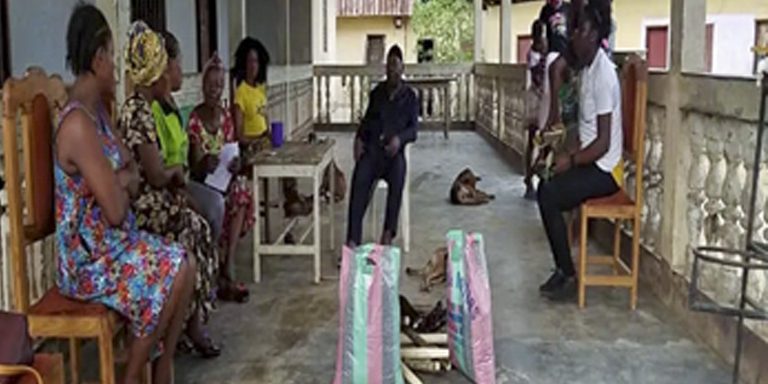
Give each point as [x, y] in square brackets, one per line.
[470, 330]
[368, 350]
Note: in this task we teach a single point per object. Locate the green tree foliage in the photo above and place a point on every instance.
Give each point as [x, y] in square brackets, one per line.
[450, 24]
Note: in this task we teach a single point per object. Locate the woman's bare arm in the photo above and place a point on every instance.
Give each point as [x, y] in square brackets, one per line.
[79, 148]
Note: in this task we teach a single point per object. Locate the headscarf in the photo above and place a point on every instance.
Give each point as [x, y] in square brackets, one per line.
[145, 55]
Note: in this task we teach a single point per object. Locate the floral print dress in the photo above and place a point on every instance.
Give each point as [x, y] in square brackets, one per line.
[127, 270]
[238, 195]
[166, 212]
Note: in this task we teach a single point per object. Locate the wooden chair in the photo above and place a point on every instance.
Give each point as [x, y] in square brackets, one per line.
[38, 98]
[45, 369]
[620, 206]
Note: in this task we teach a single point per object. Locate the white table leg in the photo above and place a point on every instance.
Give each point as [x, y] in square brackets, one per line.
[331, 203]
[316, 229]
[256, 229]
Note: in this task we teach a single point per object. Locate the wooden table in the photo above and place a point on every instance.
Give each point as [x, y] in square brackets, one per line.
[443, 85]
[299, 160]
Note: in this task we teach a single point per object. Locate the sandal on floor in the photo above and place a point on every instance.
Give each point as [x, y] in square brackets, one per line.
[206, 349]
[234, 292]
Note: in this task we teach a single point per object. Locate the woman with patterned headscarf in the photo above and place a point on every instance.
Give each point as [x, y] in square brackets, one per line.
[162, 206]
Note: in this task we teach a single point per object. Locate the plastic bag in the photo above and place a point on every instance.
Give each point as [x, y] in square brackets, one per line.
[470, 329]
[368, 350]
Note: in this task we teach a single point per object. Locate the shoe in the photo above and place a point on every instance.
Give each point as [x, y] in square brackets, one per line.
[530, 193]
[565, 292]
[555, 281]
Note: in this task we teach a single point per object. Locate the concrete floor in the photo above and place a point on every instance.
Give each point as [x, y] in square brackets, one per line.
[287, 332]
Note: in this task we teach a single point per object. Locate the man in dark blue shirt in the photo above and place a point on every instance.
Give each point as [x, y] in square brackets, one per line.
[388, 126]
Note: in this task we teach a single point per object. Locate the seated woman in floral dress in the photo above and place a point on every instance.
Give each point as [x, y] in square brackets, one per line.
[210, 127]
[162, 205]
[102, 255]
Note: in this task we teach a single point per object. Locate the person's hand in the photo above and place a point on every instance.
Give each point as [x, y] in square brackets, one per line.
[211, 162]
[235, 165]
[562, 163]
[178, 179]
[359, 148]
[128, 177]
[393, 146]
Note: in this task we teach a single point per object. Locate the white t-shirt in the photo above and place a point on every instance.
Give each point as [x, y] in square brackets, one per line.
[600, 94]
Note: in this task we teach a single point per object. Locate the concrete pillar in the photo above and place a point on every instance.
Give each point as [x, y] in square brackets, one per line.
[687, 49]
[505, 33]
[688, 35]
[479, 56]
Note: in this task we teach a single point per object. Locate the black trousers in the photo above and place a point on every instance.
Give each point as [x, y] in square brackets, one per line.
[565, 192]
[373, 166]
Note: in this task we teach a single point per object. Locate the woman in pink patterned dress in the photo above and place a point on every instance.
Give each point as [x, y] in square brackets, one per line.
[102, 256]
[210, 127]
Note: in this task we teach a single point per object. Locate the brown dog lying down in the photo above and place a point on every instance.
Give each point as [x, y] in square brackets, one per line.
[464, 190]
[434, 272]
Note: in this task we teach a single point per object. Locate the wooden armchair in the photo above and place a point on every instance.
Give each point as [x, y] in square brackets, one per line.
[39, 98]
[620, 207]
[45, 369]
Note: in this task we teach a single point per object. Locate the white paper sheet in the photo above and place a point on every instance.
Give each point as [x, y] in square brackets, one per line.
[220, 178]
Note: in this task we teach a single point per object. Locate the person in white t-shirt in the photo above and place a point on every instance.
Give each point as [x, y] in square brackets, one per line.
[584, 171]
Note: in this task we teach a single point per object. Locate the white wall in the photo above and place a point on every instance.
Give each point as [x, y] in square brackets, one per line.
[181, 21]
[733, 36]
[38, 30]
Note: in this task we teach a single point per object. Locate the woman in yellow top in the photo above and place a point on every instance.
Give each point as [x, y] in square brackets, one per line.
[250, 106]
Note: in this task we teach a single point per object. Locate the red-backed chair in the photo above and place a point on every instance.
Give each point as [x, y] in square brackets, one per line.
[620, 206]
[36, 99]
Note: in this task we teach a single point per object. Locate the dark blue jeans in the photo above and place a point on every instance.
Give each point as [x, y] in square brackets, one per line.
[373, 166]
[565, 192]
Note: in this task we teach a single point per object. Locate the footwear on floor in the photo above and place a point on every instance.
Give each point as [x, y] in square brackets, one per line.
[567, 291]
[530, 193]
[555, 281]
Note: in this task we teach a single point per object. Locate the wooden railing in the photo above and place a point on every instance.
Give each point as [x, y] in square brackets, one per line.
[341, 92]
[500, 103]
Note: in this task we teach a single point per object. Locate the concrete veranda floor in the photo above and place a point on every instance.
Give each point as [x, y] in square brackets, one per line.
[287, 332]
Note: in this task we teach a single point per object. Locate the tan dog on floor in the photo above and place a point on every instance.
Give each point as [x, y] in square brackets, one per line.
[434, 272]
[464, 190]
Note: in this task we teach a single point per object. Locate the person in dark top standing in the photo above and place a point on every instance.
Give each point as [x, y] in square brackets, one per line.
[554, 14]
[559, 104]
[388, 126]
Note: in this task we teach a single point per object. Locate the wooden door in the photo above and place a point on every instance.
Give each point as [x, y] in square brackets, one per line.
[524, 44]
[656, 46]
[207, 36]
